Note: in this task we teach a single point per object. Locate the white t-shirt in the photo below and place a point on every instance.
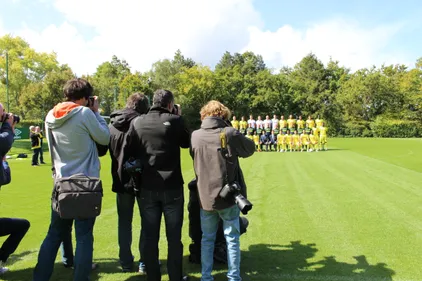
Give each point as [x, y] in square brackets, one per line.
[274, 123]
[259, 124]
[267, 123]
[251, 123]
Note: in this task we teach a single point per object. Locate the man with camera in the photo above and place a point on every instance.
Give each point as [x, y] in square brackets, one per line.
[35, 145]
[125, 184]
[156, 139]
[15, 228]
[73, 129]
[215, 149]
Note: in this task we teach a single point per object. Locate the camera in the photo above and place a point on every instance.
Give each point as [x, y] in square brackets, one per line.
[175, 109]
[16, 118]
[91, 101]
[133, 166]
[232, 191]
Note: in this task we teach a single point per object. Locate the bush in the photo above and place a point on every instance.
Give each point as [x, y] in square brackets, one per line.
[29, 122]
[388, 128]
[357, 129]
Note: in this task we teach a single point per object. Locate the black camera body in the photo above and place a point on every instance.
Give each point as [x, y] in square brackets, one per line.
[232, 192]
[16, 118]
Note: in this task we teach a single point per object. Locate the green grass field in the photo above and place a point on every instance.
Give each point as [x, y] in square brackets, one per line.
[351, 213]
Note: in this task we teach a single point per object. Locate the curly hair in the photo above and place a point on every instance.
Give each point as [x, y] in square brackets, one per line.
[215, 109]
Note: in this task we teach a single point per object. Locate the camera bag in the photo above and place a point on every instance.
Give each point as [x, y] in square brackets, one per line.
[78, 196]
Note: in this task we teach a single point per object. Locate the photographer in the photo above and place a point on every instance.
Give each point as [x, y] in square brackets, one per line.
[156, 140]
[123, 184]
[215, 149]
[35, 145]
[16, 228]
[73, 129]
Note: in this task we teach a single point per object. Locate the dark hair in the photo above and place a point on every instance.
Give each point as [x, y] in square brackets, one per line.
[162, 98]
[77, 89]
[138, 102]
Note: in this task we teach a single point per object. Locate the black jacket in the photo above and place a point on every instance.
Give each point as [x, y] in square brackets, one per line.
[35, 140]
[119, 126]
[157, 138]
[6, 141]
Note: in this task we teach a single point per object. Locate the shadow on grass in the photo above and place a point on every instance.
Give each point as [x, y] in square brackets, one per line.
[290, 262]
[262, 262]
[16, 258]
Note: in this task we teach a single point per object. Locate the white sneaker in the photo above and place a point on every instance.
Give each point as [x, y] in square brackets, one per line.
[3, 269]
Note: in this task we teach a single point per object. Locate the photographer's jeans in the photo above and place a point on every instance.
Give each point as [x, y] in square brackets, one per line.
[153, 205]
[58, 231]
[16, 229]
[231, 227]
[125, 203]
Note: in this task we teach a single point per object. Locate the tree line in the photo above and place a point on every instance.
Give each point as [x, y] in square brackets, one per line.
[381, 101]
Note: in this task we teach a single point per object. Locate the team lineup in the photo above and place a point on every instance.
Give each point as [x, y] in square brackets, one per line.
[284, 135]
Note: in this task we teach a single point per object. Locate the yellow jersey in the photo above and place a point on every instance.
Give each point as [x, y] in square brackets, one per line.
[295, 138]
[249, 137]
[284, 139]
[283, 124]
[279, 138]
[315, 131]
[300, 124]
[323, 131]
[256, 139]
[319, 122]
[304, 138]
[313, 139]
[243, 124]
[291, 122]
[235, 124]
[289, 139]
[311, 123]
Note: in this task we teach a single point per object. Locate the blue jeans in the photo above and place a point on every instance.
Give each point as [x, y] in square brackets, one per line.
[125, 203]
[231, 227]
[58, 231]
[153, 205]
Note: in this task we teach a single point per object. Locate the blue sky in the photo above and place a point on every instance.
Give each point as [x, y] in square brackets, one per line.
[85, 33]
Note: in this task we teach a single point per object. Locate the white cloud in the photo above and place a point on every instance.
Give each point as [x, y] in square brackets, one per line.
[144, 31]
[345, 41]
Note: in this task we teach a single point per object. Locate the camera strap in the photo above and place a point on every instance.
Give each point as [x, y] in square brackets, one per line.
[224, 152]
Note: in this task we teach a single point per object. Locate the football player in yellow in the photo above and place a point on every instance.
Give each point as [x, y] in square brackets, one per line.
[304, 141]
[291, 123]
[315, 132]
[283, 124]
[310, 122]
[296, 141]
[323, 137]
[289, 141]
[243, 125]
[235, 123]
[313, 142]
[319, 122]
[256, 141]
[280, 141]
[300, 125]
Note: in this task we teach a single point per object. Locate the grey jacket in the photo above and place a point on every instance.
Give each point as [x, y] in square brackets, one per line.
[210, 165]
[75, 130]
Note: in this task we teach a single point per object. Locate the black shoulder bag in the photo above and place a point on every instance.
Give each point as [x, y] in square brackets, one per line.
[78, 196]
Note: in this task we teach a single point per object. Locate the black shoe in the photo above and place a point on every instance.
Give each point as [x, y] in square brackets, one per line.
[220, 253]
[43, 163]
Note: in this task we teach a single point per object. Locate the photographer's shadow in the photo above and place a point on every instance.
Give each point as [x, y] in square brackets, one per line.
[291, 262]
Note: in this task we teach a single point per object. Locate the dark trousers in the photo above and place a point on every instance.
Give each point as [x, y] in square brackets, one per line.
[35, 156]
[16, 229]
[41, 155]
[125, 203]
[153, 205]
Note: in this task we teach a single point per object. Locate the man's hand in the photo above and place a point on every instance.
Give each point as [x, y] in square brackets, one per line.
[96, 104]
[179, 110]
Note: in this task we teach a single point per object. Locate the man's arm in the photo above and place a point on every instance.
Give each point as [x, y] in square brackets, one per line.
[243, 146]
[97, 127]
[6, 138]
[184, 134]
